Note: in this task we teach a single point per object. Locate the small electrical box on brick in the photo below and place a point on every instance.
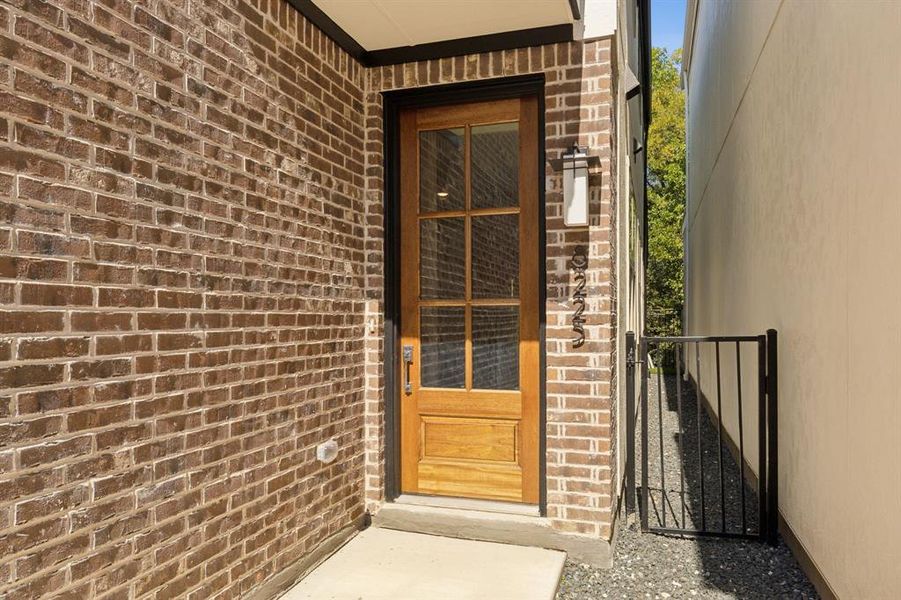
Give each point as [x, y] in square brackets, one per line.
[326, 452]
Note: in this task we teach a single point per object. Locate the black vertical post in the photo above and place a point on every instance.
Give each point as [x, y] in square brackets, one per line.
[698, 415]
[643, 401]
[681, 437]
[630, 422]
[772, 389]
[741, 440]
[660, 432]
[719, 439]
[762, 478]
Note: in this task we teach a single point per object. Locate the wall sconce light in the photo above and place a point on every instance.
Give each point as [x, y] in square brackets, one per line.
[575, 186]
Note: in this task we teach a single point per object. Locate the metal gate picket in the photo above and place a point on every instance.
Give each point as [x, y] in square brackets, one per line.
[685, 521]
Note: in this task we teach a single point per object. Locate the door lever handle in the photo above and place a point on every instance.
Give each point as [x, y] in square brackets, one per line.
[408, 360]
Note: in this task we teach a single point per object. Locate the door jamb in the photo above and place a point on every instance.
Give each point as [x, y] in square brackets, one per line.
[457, 93]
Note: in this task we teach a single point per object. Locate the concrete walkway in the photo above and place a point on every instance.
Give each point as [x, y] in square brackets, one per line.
[382, 564]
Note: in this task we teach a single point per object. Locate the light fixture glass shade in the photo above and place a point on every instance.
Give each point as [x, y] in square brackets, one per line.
[575, 188]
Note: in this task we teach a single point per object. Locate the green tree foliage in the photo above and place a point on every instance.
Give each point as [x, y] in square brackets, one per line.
[666, 195]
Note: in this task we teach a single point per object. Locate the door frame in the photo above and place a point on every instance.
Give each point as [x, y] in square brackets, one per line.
[456, 93]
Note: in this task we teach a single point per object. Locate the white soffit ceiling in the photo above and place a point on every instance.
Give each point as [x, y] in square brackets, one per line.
[380, 24]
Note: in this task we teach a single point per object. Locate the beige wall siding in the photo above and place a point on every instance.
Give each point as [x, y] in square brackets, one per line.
[723, 62]
[793, 223]
[579, 108]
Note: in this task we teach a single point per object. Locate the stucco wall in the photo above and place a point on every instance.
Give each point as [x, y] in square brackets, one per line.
[794, 222]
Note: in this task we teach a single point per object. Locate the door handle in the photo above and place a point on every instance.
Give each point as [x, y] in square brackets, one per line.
[408, 360]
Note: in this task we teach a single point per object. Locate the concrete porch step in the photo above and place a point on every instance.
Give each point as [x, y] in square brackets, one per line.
[383, 564]
[438, 517]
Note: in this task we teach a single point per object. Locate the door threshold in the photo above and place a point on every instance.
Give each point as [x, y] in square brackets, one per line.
[494, 506]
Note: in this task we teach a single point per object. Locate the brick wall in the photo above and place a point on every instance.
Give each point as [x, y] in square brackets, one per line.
[579, 109]
[182, 316]
[191, 291]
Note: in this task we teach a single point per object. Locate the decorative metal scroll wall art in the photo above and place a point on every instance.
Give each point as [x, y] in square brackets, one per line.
[579, 264]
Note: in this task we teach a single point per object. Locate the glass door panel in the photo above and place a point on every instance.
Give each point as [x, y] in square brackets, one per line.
[495, 165]
[442, 258]
[495, 256]
[441, 179]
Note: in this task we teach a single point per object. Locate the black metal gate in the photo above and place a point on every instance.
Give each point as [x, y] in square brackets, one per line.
[708, 459]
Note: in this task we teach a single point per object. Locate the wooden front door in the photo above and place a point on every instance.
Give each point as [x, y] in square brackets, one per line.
[469, 300]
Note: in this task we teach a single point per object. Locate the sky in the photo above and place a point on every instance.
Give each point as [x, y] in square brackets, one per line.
[667, 23]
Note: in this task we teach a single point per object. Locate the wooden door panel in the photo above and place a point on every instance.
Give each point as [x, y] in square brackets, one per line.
[469, 300]
[486, 480]
[463, 403]
[468, 439]
[474, 113]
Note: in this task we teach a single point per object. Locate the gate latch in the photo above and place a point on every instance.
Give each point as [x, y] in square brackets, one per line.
[630, 358]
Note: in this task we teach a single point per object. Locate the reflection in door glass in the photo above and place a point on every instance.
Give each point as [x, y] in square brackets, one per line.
[495, 347]
[495, 256]
[441, 180]
[442, 258]
[495, 165]
[442, 335]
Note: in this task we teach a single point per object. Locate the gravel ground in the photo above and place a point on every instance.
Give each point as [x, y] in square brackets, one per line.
[657, 566]
[679, 473]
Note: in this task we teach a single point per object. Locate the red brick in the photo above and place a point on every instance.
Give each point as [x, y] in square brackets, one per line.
[50, 503]
[123, 435]
[33, 268]
[28, 484]
[29, 431]
[48, 40]
[84, 80]
[49, 452]
[12, 541]
[50, 93]
[51, 193]
[178, 341]
[57, 295]
[30, 375]
[100, 369]
[45, 141]
[169, 299]
[102, 321]
[30, 321]
[27, 162]
[30, 216]
[98, 417]
[29, 110]
[97, 273]
[40, 348]
[33, 242]
[162, 321]
[97, 38]
[92, 131]
[124, 344]
[126, 297]
[48, 400]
